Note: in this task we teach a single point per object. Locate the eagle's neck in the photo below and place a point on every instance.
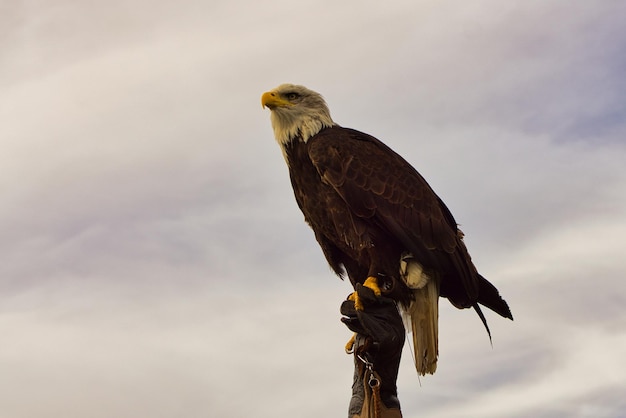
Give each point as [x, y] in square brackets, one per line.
[293, 126]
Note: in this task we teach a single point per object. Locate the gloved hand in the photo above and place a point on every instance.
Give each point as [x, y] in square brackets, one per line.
[378, 346]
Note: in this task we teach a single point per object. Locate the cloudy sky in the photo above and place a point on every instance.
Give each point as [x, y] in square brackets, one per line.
[155, 264]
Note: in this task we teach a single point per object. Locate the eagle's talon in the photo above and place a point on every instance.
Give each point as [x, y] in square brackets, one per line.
[372, 283]
[354, 297]
[350, 344]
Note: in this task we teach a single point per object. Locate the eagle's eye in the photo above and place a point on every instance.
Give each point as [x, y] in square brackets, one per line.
[292, 96]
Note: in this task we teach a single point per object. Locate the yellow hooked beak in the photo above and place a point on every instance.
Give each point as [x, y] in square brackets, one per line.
[273, 100]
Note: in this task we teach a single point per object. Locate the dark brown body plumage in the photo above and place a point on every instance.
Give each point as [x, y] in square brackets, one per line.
[367, 206]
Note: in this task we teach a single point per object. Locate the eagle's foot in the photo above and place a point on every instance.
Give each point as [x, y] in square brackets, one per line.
[371, 283]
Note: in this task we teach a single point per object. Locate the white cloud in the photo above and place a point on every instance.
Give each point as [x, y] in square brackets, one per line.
[155, 263]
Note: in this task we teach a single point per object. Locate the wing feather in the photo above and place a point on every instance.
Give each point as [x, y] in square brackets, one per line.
[377, 183]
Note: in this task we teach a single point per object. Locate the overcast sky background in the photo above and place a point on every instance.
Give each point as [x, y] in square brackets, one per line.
[155, 264]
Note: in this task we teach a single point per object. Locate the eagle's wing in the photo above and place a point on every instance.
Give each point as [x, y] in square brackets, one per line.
[377, 183]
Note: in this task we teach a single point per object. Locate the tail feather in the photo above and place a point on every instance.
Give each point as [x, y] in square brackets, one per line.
[423, 317]
[490, 297]
[483, 319]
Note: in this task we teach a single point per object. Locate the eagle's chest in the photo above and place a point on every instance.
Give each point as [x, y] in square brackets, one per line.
[317, 200]
[323, 208]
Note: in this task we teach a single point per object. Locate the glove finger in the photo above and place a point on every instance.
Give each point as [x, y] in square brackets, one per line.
[369, 298]
[347, 308]
[354, 325]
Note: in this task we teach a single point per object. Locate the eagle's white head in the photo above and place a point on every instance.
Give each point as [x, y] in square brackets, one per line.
[296, 112]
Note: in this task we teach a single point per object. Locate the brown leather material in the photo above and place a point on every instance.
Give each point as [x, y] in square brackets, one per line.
[373, 407]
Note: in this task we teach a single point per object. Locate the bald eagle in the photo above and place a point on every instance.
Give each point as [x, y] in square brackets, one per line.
[376, 219]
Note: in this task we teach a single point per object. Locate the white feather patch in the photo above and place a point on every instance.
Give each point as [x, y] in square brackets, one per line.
[413, 272]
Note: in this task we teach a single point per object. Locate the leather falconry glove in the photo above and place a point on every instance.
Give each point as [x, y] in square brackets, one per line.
[377, 351]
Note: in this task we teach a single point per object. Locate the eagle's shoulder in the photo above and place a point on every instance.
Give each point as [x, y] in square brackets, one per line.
[338, 151]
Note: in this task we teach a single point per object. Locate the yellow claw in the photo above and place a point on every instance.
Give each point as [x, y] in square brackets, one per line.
[358, 305]
[372, 283]
[350, 344]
